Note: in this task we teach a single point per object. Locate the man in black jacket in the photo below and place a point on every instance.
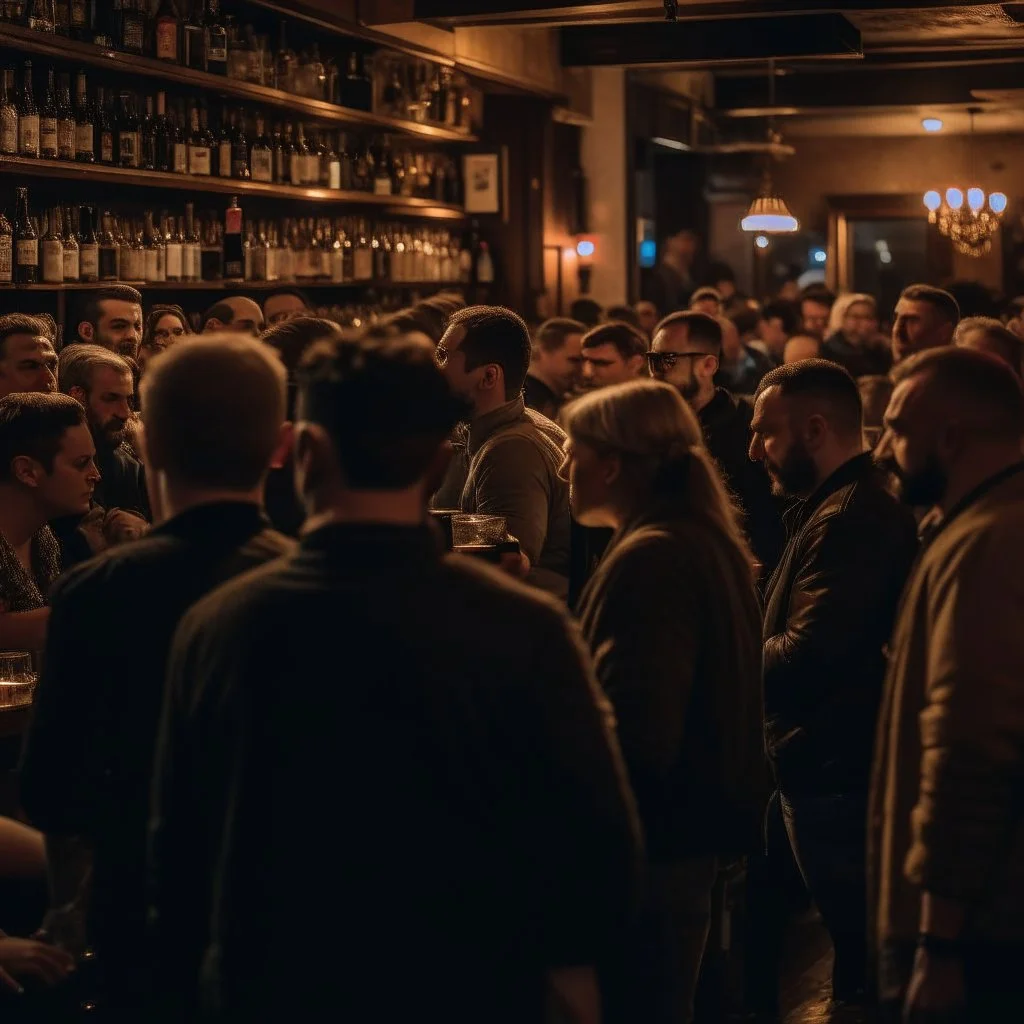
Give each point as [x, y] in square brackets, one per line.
[368, 741]
[829, 612]
[685, 353]
[88, 761]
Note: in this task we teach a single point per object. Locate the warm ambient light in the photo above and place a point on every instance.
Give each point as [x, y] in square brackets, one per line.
[761, 241]
[932, 124]
[770, 215]
[585, 248]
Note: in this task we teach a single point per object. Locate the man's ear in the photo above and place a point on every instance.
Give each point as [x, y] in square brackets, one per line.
[611, 468]
[26, 470]
[79, 395]
[492, 377]
[285, 441]
[85, 331]
[635, 364]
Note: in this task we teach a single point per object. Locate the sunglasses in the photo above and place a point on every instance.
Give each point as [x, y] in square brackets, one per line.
[660, 361]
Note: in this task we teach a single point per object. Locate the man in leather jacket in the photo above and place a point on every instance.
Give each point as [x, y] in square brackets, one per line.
[829, 612]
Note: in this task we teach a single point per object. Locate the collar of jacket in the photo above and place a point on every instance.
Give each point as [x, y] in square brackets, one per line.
[720, 408]
[849, 472]
[490, 423]
[214, 521]
[374, 546]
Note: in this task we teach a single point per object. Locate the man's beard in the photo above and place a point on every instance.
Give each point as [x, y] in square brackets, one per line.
[689, 390]
[796, 476]
[111, 433]
[925, 487]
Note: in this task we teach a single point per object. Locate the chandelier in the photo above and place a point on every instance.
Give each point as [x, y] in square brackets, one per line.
[967, 217]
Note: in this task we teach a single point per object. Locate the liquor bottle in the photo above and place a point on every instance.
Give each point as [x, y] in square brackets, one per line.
[109, 252]
[234, 266]
[362, 180]
[168, 32]
[8, 114]
[356, 90]
[286, 62]
[137, 247]
[41, 16]
[179, 141]
[484, 264]
[88, 246]
[147, 138]
[72, 255]
[249, 253]
[26, 243]
[65, 120]
[363, 255]
[129, 141]
[133, 27]
[261, 154]
[28, 117]
[280, 156]
[82, 20]
[125, 257]
[105, 126]
[48, 120]
[191, 248]
[6, 250]
[240, 150]
[345, 162]
[224, 141]
[312, 173]
[382, 174]
[174, 246]
[163, 141]
[52, 246]
[216, 40]
[85, 123]
[193, 38]
[297, 159]
[199, 144]
[151, 254]
[333, 168]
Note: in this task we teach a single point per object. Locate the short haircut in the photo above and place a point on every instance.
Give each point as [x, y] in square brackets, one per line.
[623, 313]
[291, 338]
[1002, 342]
[975, 380]
[784, 311]
[707, 292]
[221, 311]
[109, 293]
[33, 425]
[818, 293]
[822, 381]
[78, 363]
[627, 339]
[297, 293]
[941, 301]
[21, 323]
[551, 335]
[703, 331]
[587, 311]
[385, 405]
[214, 410]
[494, 334]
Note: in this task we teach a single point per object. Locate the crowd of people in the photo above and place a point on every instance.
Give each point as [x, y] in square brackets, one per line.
[290, 758]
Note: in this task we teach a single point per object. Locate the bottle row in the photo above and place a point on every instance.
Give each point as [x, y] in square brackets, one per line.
[79, 244]
[195, 35]
[149, 133]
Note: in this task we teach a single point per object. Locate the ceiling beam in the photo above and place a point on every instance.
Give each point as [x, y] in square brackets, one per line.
[807, 92]
[538, 12]
[706, 43]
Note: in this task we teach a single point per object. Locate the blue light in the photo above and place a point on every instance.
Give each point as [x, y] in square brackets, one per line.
[585, 248]
[648, 252]
[818, 256]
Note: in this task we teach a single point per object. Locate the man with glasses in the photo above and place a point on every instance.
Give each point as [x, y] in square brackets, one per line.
[685, 353]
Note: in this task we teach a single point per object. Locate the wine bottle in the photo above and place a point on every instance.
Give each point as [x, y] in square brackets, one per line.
[234, 265]
[128, 136]
[26, 243]
[28, 117]
[240, 149]
[216, 40]
[191, 251]
[6, 250]
[8, 114]
[88, 246]
[85, 123]
[174, 248]
[168, 32]
[193, 45]
[109, 251]
[147, 136]
[133, 28]
[163, 143]
[261, 154]
[224, 145]
[151, 259]
[198, 145]
[72, 254]
[52, 245]
[65, 120]
[48, 120]
[179, 141]
[363, 256]
[105, 126]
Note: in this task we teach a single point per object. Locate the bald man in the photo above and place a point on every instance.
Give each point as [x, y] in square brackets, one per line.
[801, 347]
[235, 313]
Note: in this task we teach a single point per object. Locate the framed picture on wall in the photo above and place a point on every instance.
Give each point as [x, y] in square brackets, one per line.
[481, 175]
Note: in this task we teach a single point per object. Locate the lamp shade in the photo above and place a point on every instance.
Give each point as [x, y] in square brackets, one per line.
[769, 215]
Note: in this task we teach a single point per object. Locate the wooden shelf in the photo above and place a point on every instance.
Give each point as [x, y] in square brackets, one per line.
[388, 206]
[26, 41]
[236, 286]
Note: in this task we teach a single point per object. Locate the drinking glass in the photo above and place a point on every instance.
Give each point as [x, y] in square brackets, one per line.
[17, 679]
[478, 529]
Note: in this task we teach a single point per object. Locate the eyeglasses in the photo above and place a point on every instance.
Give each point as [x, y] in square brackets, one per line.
[667, 360]
[163, 334]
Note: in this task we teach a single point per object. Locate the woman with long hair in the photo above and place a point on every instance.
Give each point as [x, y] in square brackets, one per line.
[672, 617]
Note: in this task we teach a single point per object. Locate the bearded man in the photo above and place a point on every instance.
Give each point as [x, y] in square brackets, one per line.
[829, 613]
